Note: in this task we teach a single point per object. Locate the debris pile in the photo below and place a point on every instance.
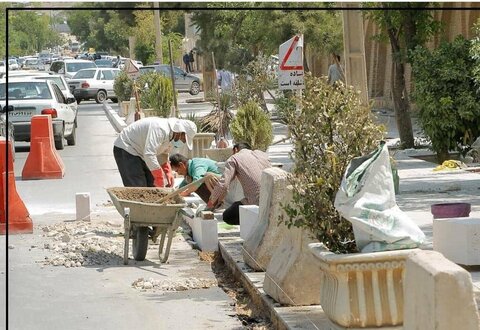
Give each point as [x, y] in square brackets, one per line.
[173, 285]
[79, 243]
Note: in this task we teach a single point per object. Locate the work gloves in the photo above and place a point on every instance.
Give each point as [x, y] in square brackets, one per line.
[163, 177]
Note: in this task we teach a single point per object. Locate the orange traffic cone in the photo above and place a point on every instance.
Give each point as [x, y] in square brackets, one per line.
[43, 161]
[12, 210]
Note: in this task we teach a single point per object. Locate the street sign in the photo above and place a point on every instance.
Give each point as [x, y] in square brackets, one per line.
[290, 71]
[131, 68]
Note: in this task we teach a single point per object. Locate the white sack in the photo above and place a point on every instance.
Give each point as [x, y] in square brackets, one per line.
[366, 198]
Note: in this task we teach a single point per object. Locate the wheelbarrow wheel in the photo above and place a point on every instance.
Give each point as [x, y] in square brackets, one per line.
[140, 243]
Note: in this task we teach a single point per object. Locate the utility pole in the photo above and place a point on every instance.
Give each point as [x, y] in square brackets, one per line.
[158, 32]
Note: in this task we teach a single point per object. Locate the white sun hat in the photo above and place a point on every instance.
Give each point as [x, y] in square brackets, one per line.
[184, 126]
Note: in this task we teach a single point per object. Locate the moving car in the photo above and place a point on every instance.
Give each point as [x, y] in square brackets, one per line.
[56, 78]
[62, 84]
[94, 84]
[184, 82]
[32, 64]
[103, 63]
[68, 68]
[27, 97]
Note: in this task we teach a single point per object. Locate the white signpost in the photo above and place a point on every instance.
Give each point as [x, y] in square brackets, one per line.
[290, 71]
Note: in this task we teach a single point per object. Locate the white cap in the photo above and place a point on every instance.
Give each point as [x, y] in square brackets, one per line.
[184, 126]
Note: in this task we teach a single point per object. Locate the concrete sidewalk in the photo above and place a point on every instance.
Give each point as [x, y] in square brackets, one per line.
[420, 187]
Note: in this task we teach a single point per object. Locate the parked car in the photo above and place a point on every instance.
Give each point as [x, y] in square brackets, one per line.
[27, 97]
[68, 68]
[6, 129]
[184, 82]
[2, 67]
[12, 64]
[94, 84]
[103, 63]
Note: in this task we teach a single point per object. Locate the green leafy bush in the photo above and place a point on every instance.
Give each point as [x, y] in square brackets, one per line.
[123, 86]
[330, 128]
[158, 95]
[445, 94]
[252, 125]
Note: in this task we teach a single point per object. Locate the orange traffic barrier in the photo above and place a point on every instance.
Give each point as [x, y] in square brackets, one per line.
[43, 161]
[12, 209]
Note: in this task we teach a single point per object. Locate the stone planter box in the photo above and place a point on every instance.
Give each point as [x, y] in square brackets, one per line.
[219, 155]
[362, 290]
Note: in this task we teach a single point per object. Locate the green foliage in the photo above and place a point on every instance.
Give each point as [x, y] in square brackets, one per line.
[192, 117]
[237, 36]
[255, 79]
[475, 54]
[219, 119]
[252, 125]
[330, 129]
[445, 93]
[30, 32]
[102, 28]
[123, 86]
[158, 95]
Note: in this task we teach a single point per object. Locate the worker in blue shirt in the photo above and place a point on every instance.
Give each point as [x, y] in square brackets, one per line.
[194, 169]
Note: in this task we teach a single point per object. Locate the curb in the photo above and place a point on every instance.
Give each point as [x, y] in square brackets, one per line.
[281, 317]
[117, 122]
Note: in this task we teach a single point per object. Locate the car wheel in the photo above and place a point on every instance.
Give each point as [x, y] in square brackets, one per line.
[195, 88]
[59, 142]
[140, 243]
[101, 96]
[72, 139]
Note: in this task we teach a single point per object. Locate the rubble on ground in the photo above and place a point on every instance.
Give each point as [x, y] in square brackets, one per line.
[80, 243]
[181, 284]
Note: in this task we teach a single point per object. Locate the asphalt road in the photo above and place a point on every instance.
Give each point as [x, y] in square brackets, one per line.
[96, 297]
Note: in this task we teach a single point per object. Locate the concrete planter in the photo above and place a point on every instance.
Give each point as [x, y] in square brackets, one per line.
[362, 290]
[218, 154]
[150, 112]
[293, 274]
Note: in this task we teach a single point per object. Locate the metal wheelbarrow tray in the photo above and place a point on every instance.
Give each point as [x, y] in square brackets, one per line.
[164, 218]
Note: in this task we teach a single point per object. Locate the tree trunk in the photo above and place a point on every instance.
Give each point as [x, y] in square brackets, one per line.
[401, 103]
[401, 106]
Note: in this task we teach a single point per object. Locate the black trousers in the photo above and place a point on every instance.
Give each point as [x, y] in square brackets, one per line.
[232, 215]
[133, 170]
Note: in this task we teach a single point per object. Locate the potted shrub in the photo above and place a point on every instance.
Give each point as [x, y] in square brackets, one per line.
[329, 130]
[252, 125]
[156, 94]
[218, 122]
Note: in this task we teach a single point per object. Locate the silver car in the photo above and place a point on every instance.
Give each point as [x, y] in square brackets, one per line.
[184, 82]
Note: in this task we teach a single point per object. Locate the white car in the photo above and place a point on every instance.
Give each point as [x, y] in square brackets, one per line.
[27, 97]
[13, 64]
[62, 83]
[68, 68]
[94, 84]
[56, 78]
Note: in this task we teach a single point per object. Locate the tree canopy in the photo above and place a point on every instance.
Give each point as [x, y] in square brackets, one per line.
[238, 36]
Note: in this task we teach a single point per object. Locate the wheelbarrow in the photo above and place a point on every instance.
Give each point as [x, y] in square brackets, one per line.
[138, 216]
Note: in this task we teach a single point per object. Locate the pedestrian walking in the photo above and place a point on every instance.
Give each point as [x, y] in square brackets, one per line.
[191, 59]
[335, 71]
[186, 60]
[141, 150]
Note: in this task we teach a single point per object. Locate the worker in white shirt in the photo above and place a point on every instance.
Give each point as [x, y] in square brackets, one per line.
[140, 145]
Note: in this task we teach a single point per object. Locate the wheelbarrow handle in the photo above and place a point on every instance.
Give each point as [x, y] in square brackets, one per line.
[180, 190]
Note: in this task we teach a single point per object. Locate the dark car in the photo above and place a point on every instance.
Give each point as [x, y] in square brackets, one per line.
[184, 82]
